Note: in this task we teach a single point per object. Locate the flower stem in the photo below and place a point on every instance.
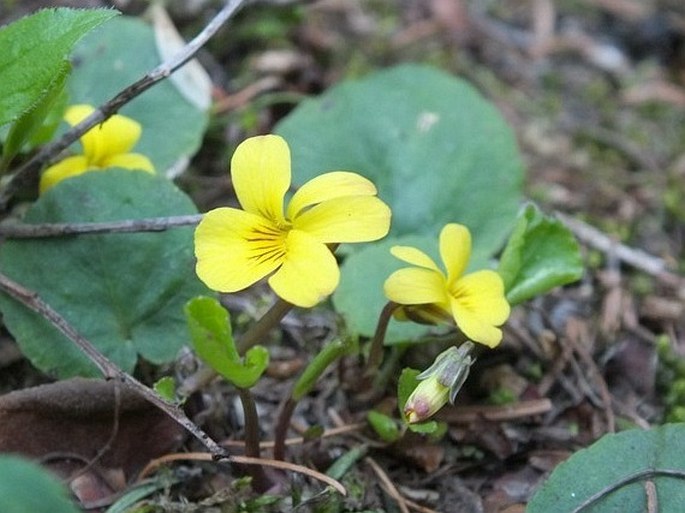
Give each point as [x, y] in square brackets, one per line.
[329, 354]
[260, 481]
[376, 351]
[261, 328]
[281, 429]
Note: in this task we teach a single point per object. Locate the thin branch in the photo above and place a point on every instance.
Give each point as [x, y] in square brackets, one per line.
[108, 368]
[466, 414]
[17, 230]
[157, 74]
[243, 460]
[387, 484]
[639, 259]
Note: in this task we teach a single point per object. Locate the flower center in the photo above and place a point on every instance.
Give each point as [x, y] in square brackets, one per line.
[267, 243]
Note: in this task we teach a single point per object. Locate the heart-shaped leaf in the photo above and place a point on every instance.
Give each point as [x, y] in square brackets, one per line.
[124, 292]
[27, 487]
[437, 151]
[614, 469]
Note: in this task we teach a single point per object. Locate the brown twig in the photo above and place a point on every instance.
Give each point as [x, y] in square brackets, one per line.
[574, 335]
[639, 259]
[243, 460]
[108, 368]
[466, 414]
[388, 484]
[12, 229]
[299, 440]
[109, 108]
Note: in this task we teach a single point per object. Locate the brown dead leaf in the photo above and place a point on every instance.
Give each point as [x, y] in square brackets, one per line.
[75, 420]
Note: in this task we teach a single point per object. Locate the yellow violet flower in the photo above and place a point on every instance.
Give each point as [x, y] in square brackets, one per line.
[475, 302]
[236, 248]
[105, 145]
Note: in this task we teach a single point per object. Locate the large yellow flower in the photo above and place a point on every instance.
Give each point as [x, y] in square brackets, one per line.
[236, 248]
[475, 302]
[105, 145]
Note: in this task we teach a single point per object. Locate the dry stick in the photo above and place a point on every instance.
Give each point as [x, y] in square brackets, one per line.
[388, 484]
[641, 260]
[243, 460]
[119, 100]
[17, 230]
[344, 429]
[466, 414]
[108, 368]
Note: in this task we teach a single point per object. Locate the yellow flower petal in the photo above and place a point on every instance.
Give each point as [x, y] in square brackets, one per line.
[328, 186]
[260, 168]
[134, 161]
[415, 286]
[414, 256]
[473, 326]
[346, 219]
[478, 305]
[455, 250]
[117, 134]
[482, 292]
[71, 166]
[309, 272]
[235, 249]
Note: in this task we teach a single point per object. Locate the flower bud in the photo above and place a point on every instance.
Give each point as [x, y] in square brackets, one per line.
[439, 383]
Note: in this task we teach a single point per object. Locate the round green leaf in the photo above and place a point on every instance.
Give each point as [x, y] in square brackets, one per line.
[120, 54]
[608, 465]
[26, 487]
[359, 297]
[438, 153]
[124, 292]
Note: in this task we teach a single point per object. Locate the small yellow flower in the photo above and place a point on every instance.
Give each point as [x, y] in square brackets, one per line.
[105, 145]
[236, 248]
[439, 383]
[475, 302]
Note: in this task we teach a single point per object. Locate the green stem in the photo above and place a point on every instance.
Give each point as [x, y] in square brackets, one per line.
[376, 351]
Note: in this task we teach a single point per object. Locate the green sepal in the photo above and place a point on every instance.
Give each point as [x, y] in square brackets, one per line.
[405, 386]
